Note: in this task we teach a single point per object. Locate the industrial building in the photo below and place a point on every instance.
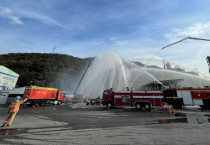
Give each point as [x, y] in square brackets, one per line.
[8, 80]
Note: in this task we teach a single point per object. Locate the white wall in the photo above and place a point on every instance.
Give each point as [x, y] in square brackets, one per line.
[8, 78]
[3, 96]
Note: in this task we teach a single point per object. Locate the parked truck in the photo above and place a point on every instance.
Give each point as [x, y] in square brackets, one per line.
[137, 99]
[41, 95]
[187, 97]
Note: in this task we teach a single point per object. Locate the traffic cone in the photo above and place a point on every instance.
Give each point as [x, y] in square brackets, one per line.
[169, 110]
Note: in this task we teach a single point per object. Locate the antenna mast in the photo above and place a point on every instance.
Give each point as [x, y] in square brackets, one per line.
[53, 50]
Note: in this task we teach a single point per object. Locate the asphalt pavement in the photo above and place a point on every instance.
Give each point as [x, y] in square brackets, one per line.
[81, 124]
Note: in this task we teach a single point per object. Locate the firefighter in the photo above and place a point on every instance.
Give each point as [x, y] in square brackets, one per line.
[98, 100]
[127, 88]
[13, 109]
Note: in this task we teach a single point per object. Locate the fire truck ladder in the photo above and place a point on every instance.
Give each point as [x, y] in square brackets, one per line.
[193, 38]
[83, 76]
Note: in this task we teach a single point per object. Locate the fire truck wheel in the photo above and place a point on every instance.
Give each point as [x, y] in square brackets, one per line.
[138, 106]
[147, 106]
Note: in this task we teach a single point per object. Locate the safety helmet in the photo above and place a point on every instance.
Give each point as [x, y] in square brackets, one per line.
[18, 97]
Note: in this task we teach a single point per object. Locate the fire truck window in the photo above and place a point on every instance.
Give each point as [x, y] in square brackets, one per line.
[170, 93]
[106, 93]
[125, 99]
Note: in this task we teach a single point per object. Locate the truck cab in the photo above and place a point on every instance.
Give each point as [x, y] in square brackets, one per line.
[61, 97]
[108, 97]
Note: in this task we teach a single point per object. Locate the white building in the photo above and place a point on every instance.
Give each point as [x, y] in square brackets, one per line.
[8, 78]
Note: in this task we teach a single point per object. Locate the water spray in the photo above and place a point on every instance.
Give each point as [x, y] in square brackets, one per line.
[192, 38]
[111, 70]
[123, 71]
[149, 75]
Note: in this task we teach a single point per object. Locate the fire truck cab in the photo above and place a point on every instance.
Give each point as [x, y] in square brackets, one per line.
[108, 97]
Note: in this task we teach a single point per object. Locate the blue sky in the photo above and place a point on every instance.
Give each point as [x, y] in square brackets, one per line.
[85, 28]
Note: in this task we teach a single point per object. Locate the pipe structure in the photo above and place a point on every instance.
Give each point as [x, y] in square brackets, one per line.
[193, 38]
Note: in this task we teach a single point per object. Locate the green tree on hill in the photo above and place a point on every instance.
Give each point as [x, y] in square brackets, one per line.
[42, 68]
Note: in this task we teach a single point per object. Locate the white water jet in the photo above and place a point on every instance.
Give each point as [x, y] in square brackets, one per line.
[111, 71]
[123, 72]
[105, 71]
[138, 71]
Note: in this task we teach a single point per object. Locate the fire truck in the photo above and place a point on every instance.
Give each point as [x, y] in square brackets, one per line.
[77, 99]
[187, 97]
[41, 95]
[138, 99]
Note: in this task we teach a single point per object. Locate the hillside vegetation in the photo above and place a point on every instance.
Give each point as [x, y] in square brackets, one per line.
[47, 70]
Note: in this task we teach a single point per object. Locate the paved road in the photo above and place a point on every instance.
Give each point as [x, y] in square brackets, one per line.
[80, 124]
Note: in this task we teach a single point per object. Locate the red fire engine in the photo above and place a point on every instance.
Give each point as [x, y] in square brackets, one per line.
[139, 99]
[77, 99]
[41, 96]
[188, 97]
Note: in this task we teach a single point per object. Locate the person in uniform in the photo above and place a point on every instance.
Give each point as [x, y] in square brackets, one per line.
[13, 109]
[127, 88]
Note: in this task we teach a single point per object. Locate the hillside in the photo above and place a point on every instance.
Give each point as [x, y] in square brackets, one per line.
[47, 70]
